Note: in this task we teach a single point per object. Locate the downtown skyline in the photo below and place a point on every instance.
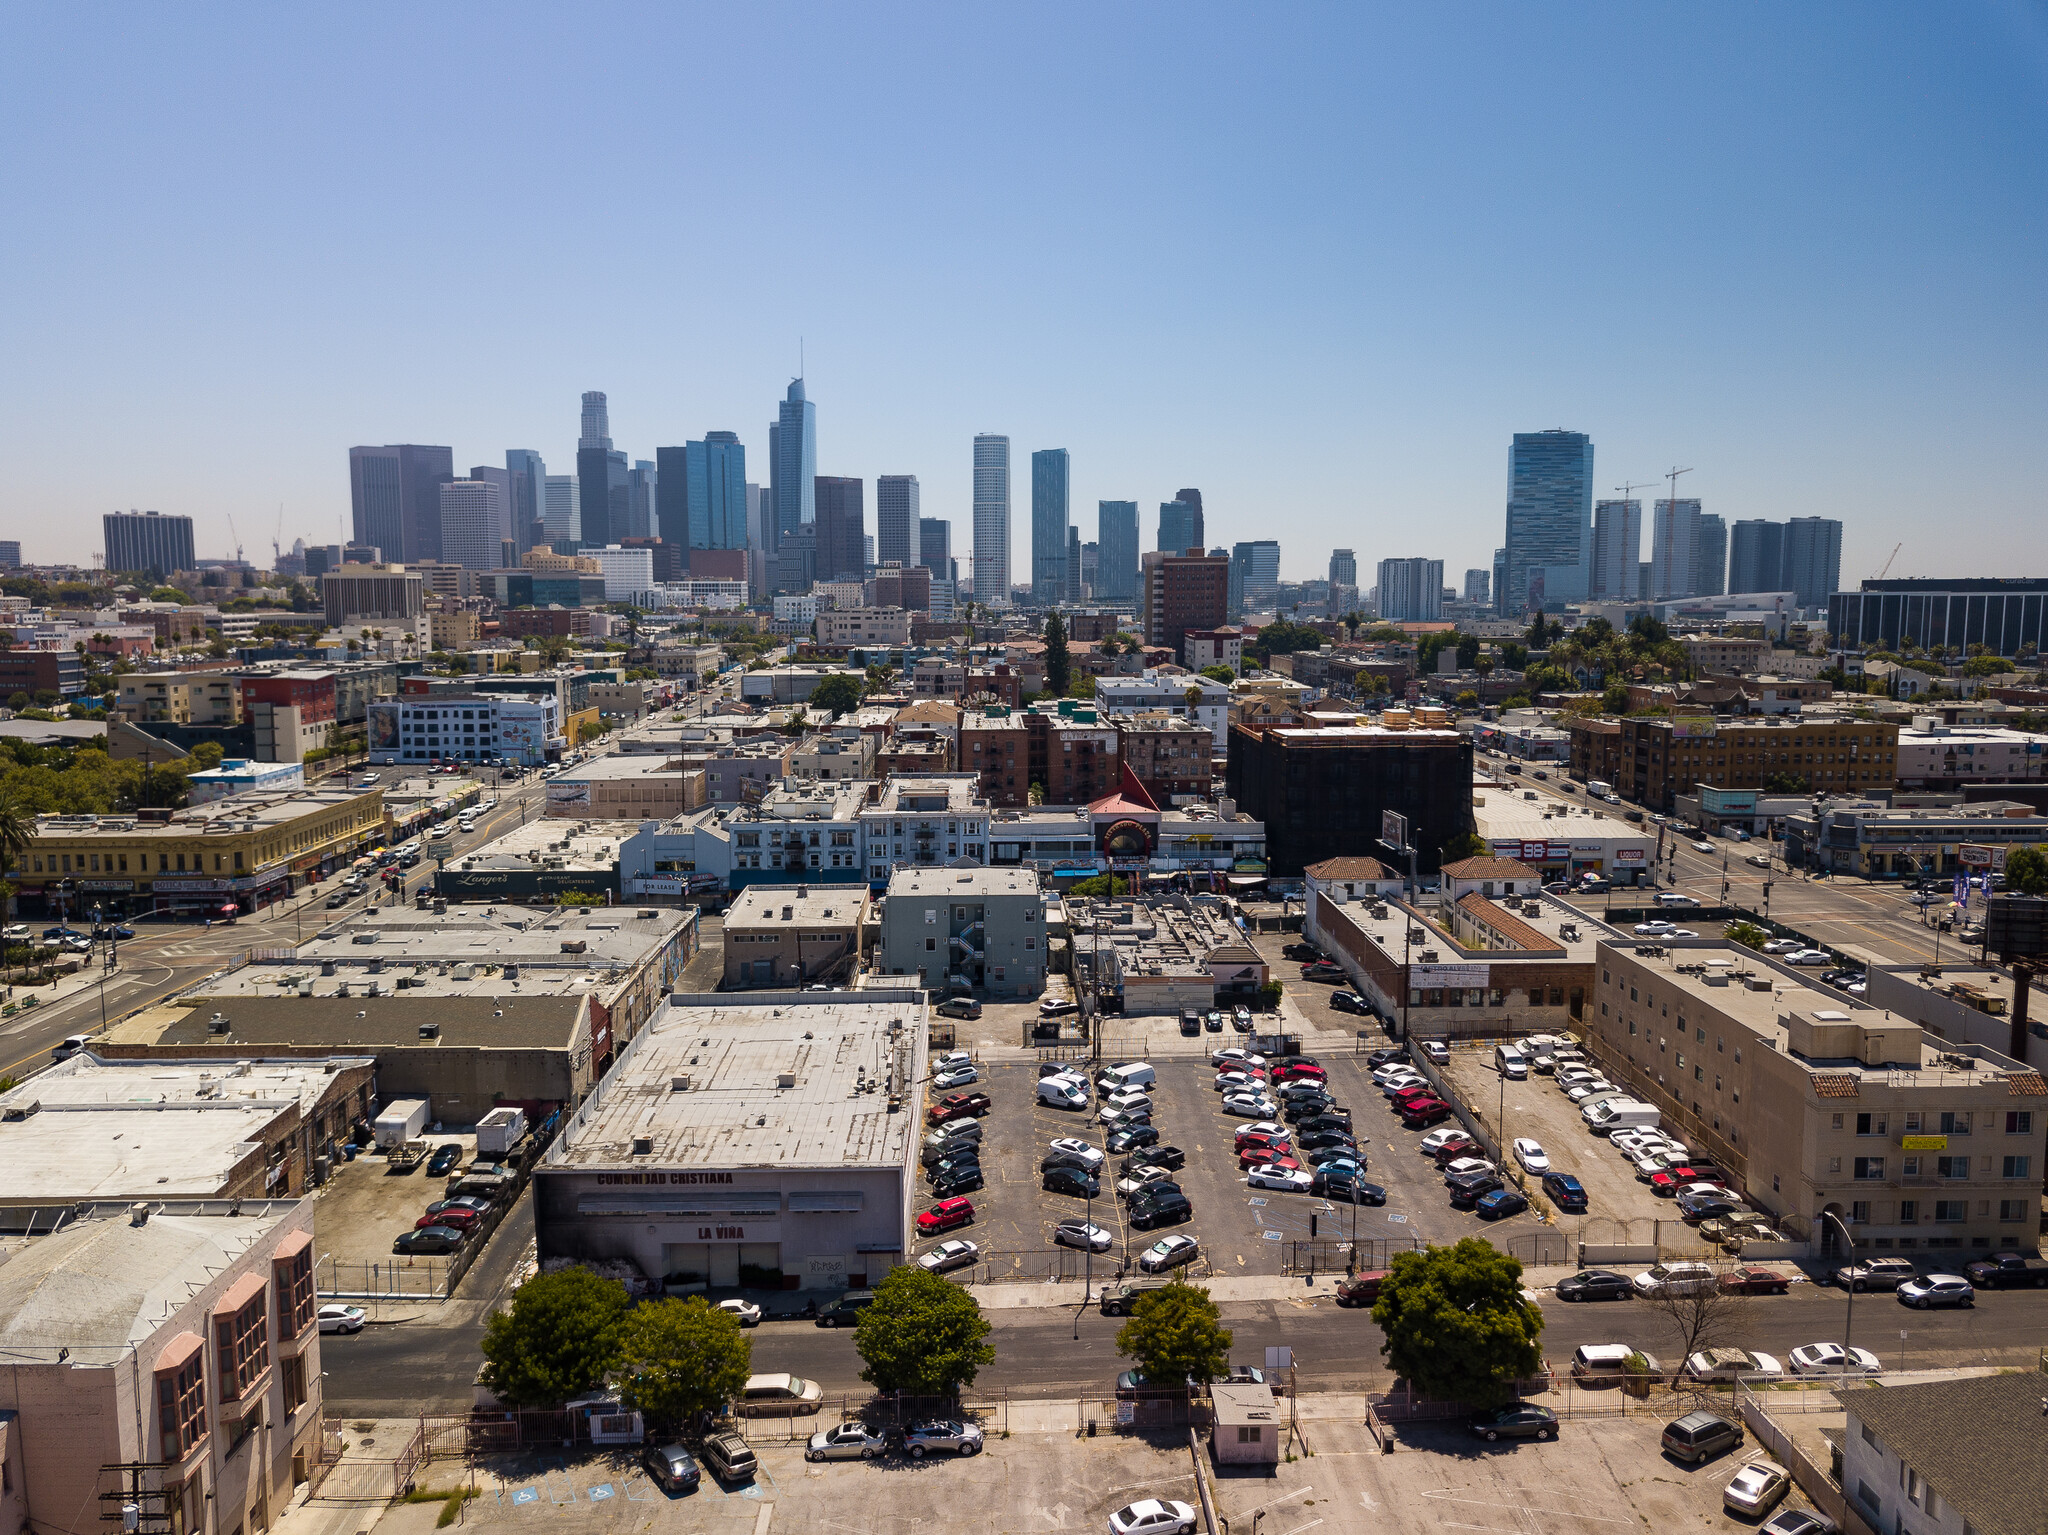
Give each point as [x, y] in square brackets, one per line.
[1815, 273]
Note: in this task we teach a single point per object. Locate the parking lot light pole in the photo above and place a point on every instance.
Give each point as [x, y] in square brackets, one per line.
[1088, 1259]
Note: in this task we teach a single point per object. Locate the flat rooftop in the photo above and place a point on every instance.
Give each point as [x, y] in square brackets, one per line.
[1506, 815]
[474, 949]
[1162, 936]
[848, 1057]
[794, 906]
[1565, 935]
[254, 811]
[102, 1285]
[510, 1020]
[964, 882]
[627, 765]
[590, 845]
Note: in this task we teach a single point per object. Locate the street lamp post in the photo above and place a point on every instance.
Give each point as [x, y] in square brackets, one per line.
[1849, 1315]
[1088, 1261]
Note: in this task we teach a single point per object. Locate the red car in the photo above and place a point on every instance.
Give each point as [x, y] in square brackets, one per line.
[959, 1106]
[1270, 1156]
[1755, 1282]
[1361, 1289]
[944, 1216]
[1411, 1095]
[1421, 1113]
[1450, 1151]
[1302, 1072]
[1670, 1181]
[1262, 1138]
[455, 1216]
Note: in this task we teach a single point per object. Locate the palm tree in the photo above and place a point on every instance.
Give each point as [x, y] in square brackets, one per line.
[16, 828]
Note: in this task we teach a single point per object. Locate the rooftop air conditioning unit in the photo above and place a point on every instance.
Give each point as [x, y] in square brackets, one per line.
[643, 1145]
[465, 972]
[679, 1084]
[430, 1031]
[219, 1024]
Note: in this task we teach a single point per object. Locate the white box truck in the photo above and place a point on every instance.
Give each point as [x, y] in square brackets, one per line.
[401, 1121]
[499, 1131]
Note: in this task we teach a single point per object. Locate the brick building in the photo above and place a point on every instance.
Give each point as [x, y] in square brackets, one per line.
[995, 746]
[1179, 592]
[41, 671]
[539, 623]
[1171, 756]
[1663, 758]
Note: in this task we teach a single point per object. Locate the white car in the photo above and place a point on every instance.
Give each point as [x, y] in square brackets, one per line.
[1676, 1279]
[1090, 1156]
[1240, 1082]
[1833, 1359]
[1580, 1092]
[1757, 1489]
[1058, 1007]
[748, 1314]
[1727, 1365]
[1783, 946]
[1703, 846]
[1393, 1085]
[1460, 1166]
[1235, 1056]
[1082, 1234]
[1531, 1155]
[1681, 932]
[956, 1076]
[1293, 1180]
[1249, 1106]
[1125, 1103]
[1436, 1050]
[342, 1318]
[1138, 1177]
[1653, 929]
[950, 1255]
[1388, 1069]
[15, 930]
[1166, 1253]
[1439, 1138]
[1271, 1127]
[1153, 1516]
[1673, 898]
[1809, 957]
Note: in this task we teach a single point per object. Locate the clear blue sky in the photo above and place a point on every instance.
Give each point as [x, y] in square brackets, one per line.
[1319, 261]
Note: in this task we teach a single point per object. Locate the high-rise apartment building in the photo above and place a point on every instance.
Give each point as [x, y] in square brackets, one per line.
[840, 510]
[1710, 557]
[1478, 585]
[701, 495]
[529, 494]
[10, 554]
[1180, 526]
[934, 544]
[1813, 559]
[1116, 530]
[792, 466]
[1411, 591]
[1675, 532]
[1617, 550]
[395, 496]
[1343, 567]
[1255, 575]
[1756, 556]
[992, 520]
[564, 509]
[896, 519]
[146, 541]
[593, 469]
[1549, 551]
[1073, 593]
[1179, 592]
[474, 523]
[1049, 468]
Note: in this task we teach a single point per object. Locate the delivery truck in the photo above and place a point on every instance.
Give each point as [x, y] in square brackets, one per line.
[402, 1120]
[499, 1131]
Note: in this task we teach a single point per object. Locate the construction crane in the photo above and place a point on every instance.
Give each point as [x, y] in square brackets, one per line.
[1884, 569]
[236, 537]
[277, 553]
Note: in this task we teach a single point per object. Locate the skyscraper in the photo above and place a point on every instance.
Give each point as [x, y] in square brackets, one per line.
[897, 519]
[147, 541]
[1617, 550]
[1049, 526]
[529, 493]
[564, 514]
[1073, 593]
[1180, 526]
[642, 482]
[992, 520]
[1192, 498]
[1091, 571]
[1550, 521]
[841, 528]
[395, 495]
[1116, 530]
[1675, 535]
[1756, 556]
[934, 544]
[1343, 567]
[1255, 575]
[502, 480]
[474, 522]
[1478, 584]
[792, 466]
[701, 496]
[1411, 591]
[1813, 559]
[593, 470]
[1710, 557]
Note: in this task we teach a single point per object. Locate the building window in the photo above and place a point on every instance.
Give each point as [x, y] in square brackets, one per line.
[181, 1407]
[295, 1303]
[1951, 1167]
[2017, 1122]
[1869, 1167]
[1955, 1123]
[1951, 1209]
[2012, 1209]
[294, 1383]
[2017, 1167]
[242, 1348]
[1909, 1212]
[1870, 1124]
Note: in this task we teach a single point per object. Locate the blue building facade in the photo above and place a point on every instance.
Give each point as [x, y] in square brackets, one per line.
[1550, 522]
[1049, 526]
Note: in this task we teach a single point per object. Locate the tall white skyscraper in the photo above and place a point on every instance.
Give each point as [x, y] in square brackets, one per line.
[1617, 550]
[1674, 537]
[992, 520]
[897, 519]
[474, 523]
[1411, 591]
[564, 512]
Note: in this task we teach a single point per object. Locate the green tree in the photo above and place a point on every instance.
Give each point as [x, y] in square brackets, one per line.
[1059, 662]
[921, 1334]
[678, 1358]
[1748, 934]
[1466, 845]
[1615, 699]
[838, 694]
[1175, 1332]
[1284, 638]
[208, 755]
[1222, 674]
[1467, 699]
[2026, 868]
[1456, 1325]
[560, 1338]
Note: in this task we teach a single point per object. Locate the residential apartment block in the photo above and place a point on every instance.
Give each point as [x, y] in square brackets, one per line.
[848, 628]
[975, 927]
[181, 698]
[1663, 758]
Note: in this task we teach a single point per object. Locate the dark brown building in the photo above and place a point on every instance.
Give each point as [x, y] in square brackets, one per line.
[1321, 792]
[1179, 592]
[908, 587]
[841, 527]
[995, 745]
[1073, 755]
[1169, 755]
[539, 623]
[1663, 758]
[931, 753]
[1596, 749]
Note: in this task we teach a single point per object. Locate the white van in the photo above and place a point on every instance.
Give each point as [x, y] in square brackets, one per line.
[1601, 1361]
[1599, 1103]
[1063, 1092]
[1126, 1075]
[1621, 1114]
[1511, 1063]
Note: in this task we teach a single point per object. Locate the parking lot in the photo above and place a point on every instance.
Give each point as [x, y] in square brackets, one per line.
[1241, 1230]
[362, 1209]
[1537, 1109]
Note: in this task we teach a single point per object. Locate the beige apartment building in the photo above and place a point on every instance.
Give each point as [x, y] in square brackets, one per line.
[181, 698]
[1725, 653]
[842, 628]
[1819, 1105]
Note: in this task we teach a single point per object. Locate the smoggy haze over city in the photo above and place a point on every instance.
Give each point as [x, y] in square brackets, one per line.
[1320, 262]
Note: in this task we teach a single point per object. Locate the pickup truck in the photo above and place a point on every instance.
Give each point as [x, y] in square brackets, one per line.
[2003, 1271]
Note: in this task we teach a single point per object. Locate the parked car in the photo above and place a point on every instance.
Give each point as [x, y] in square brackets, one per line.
[1933, 1290]
[1755, 1281]
[1875, 1274]
[1155, 1207]
[345, 1319]
[425, 1240]
[1676, 1278]
[947, 1256]
[1082, 1234]
[1799, 1521]
[1342, 1184]
[1424, 1112]
[1269, 1175]
[849, 1441]
[959, 1007]
[1723, 1366]
[1232, 1055]
[959, 1106]
[1130, 1137]
[2007, 1271]
[955, 1076]
[745, 1312]
[445, 1160]
[1565, 1191]
[1531, 1155]
[1070, 1180]
[961, 1438]
[953, 1184]
[1699, 1436]
[1757, 1489]
[1809, 957]
[1361, 1289]
[1350, 1002]
[1833, 1359]
[1437, 1139]
[1153, 1516]
[1249, 1105]
[672, 1468]
[1518, 1420]
[1499, 1204]
[773, 1395]
[1167, 1253]
[1595, 1284]
[460, 1217]
[946, 1215]
[1086, 1155]
[1170, 1157]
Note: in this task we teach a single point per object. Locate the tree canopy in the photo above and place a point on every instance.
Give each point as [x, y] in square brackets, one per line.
[1284, 638]
[1174, 1332]
[1456, 1324]
[838, 694]
[922, 1334]
[2026, 871]
[559, 1339]
[681, 1357]
[1059, 663]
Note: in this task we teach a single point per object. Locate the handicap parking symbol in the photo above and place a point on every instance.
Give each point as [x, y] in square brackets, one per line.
[1270, 1236]
[1400, 1218]
[525, 1495]
[600, 1492]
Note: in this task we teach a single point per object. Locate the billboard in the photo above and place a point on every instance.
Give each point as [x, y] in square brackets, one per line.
[1700, 728]
[1461, 977]
[1394, 829]
[1973, 855]
[383, 727]
[568, 795]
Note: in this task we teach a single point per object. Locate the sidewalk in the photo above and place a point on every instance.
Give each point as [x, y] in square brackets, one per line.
[1024, 1295]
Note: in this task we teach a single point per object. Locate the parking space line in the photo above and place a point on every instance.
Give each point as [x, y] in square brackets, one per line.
[1447, 1495]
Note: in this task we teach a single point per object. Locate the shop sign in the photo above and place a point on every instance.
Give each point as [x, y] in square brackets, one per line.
[106, 884]
[1629, 857]
[1461, 976]
[1923, 1143]
[188, 886]
[752, 1231]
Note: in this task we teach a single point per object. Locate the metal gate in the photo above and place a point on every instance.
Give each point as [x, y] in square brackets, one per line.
[1537, 1248]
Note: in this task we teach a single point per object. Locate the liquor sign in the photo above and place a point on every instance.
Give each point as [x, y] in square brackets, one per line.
[1629, 857]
